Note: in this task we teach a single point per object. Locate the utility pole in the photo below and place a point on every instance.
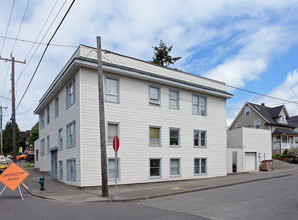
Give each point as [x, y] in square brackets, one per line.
[1, 118]
[104, 176]
[13, 105]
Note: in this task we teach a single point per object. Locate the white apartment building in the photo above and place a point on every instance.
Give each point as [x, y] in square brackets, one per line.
[171, 124]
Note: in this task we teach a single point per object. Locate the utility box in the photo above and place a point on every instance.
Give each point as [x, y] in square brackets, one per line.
[266, 165]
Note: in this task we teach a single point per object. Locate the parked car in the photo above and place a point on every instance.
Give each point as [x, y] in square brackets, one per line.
[30, 156]
[21, 157]
[3, 165]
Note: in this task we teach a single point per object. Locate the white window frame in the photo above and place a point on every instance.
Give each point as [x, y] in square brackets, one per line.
[48, 114]
[118, 131]
[238, 125]
[160, 167]
[172, 99]
[111, 94]
[160, 133]
[179, 137]
[200, 166]
[68, 129]
[283, 119]
[70, 97]
[113, 167]
[153, 101]
[56, 106]
[60, 138]
[71, 177]
[42, 120]
[199, 138]
[42, 147]
[255, 124]
[202, 109]
[179, 167]
[48, 144]
[247, 111]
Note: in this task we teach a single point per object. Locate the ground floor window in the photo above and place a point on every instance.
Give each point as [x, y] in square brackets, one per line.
[60, 170]
[111, 169]
[200, 166]
[71, 169]
[155, 167]
[175, 167]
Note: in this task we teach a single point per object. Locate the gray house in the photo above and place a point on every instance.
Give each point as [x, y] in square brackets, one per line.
[293, 121]
[275, 119]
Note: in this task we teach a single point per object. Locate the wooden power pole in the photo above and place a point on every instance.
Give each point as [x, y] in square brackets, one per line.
[104, 176]
[13, 106]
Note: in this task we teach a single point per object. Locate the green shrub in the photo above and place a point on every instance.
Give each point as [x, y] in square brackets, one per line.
[293, 155]
[285, 153]
[276, 156]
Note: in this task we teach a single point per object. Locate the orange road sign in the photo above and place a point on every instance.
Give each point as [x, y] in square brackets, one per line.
[13, 176]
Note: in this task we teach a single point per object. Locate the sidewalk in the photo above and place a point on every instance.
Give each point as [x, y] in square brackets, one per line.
[56, 190]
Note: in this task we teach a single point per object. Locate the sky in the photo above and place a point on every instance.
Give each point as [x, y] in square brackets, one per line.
[247, 44]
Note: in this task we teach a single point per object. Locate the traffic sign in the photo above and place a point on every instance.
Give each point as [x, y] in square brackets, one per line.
[13, 176]
[116, 143]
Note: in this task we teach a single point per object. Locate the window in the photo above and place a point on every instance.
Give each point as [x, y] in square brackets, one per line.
[155, 134]
[199, 105]
[36, 155]
[42, 147]
[200, 166]
[174, 99]
[247, 111]
[60, 139]
[111, 169]
[70, 94]
[56, 107]
[111, 89]
[70, 135]
[175, 167]
[174, 137]
[71, 169]
[200, 138]
[155, 167]
[239, 125]
[283, 119]
[60, 169]
[42, 120]
[48, 144]
[258, 123]
[113, 130]
[154, 95]
[48, 115]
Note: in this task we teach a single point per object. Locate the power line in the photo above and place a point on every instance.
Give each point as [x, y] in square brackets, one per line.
[7, 25]
[45, 52]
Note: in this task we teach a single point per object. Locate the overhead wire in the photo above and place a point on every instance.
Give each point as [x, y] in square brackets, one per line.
[45, 52]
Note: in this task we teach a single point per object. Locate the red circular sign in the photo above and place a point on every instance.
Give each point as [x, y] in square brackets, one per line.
[116, 143]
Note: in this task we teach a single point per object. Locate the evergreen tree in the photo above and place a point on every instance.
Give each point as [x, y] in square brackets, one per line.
[7, 137]
[162, 55]
[34, 135]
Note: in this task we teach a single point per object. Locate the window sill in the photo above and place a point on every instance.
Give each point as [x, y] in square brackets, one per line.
[175, 176]
[199, 147]
[200, 174]
[174, 146]
[154, 145]
[155, 177]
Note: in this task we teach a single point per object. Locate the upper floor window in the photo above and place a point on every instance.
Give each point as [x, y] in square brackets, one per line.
[42, 120]
[174, 137]
[60, 139]
[70, 94]
[48, 144]
[113, 130]
[56, 107]
[200, 138]
[283, 119]
[174, 99]
[70, 134]
[258, 123]
[42, 147]
[154, 136]
[48, 115]
[238, 125]
[199, 105]
[154, 95]
[247, 111]
[111, 89]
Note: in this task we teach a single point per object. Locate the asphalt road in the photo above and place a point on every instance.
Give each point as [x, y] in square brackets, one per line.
[267, 199]
[12, 207]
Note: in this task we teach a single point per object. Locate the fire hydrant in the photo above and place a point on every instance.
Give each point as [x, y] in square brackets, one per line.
[41, 183]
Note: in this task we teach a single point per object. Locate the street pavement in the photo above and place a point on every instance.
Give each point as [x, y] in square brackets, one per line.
[58, 191]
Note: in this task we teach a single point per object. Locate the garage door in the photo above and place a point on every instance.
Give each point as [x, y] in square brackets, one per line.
[250, 162]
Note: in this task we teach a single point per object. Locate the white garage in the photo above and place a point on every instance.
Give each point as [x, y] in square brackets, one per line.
[250, 161]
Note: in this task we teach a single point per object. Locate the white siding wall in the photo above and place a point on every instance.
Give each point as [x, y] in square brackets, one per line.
[65, 117]
[134, 115]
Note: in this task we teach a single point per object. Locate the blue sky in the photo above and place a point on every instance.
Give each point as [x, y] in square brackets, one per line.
[251, 44]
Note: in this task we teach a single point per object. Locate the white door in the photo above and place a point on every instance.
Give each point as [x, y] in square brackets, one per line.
[250, 162]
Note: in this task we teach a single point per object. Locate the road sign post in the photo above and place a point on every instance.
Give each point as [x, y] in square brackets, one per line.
[116, 148]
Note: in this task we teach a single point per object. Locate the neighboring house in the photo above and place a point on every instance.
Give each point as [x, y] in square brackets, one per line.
[247, 147]
[274, 119]
[171, 124]
[293, 121]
